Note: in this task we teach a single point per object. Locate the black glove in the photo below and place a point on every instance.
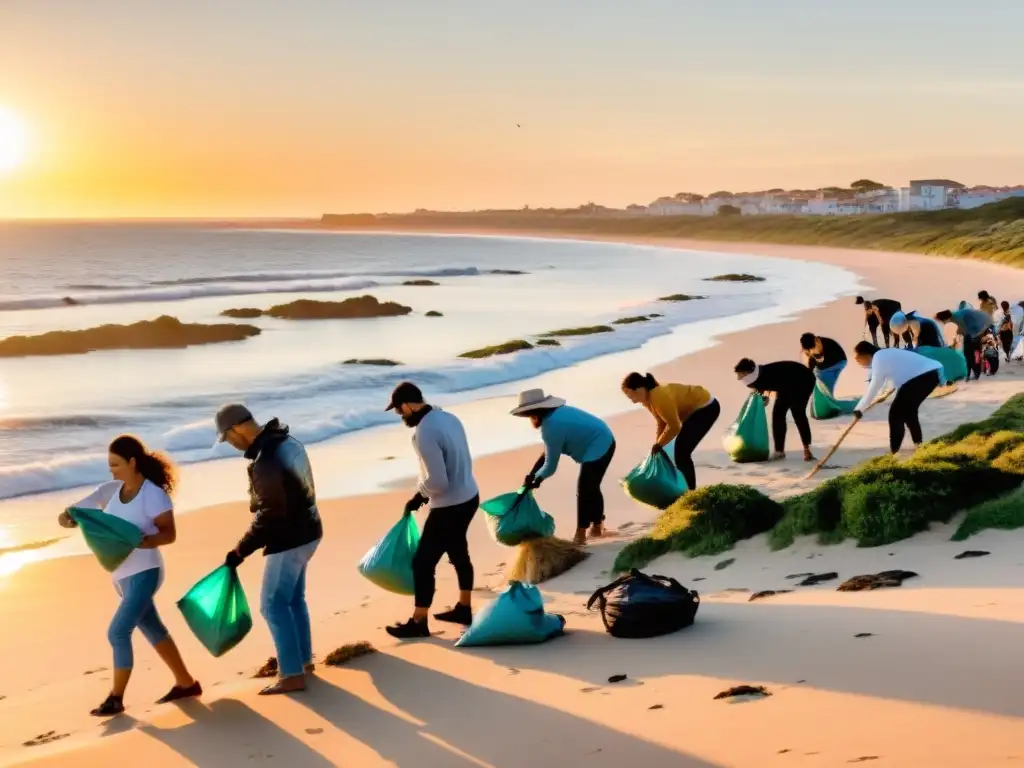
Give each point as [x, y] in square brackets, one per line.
[656, 449]
[531, 482]
[415, 503]
[858, 415]
[233, 559]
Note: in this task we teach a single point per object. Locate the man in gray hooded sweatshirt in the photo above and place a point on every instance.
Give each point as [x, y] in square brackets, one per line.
[446, 483]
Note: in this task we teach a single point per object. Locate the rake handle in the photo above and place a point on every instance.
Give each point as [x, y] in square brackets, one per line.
[835, 448]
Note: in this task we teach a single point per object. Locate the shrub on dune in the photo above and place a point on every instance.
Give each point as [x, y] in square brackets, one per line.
[704, 522]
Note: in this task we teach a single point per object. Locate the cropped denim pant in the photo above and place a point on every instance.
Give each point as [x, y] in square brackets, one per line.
[137, 610]
[283, 605]
[829, 376]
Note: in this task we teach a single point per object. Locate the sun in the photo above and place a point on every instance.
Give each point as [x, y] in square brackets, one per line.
[13, 140]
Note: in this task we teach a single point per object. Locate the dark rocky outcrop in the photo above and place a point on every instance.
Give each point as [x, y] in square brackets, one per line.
[813, 579]
[163, 333]
[507, 272]
[876, 581]
[768, 593]
[506, 348]
[971, 553]
[588, 330]
[631, 320]
[243, 313]
[358, 307]
[548, 343]
[743, 690]
[67, 301]
[679, 297]
[434, 313]
[380, 361]
[421, 283]
[734, 278]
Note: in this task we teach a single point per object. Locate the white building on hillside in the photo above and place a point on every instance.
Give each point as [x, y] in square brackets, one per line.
[934, 194]
[670, 206]
[979, 196]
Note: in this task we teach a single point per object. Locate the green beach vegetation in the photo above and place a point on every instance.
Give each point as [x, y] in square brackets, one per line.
[631, 320]
[993, 232]
[507, 348]
[588, 330]
[977, 468]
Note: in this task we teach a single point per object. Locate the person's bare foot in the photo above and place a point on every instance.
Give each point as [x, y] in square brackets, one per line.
[808, 456]
[285, 685]
[310, 669]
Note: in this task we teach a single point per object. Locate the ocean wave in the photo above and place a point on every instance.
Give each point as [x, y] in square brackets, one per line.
[40, 423]
[342, 399]
[308, 281]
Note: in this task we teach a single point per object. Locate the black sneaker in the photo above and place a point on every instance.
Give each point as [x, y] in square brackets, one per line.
[111, 706]
[410, 630]
[177, 693]
[460, 614]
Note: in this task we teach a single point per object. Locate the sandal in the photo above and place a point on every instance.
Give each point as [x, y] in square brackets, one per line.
[111, 706]
[177, 693]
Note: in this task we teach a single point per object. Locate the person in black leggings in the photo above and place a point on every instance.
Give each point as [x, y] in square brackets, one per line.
[878, 313]
[793, 385]
[683, 413]
[914, 376]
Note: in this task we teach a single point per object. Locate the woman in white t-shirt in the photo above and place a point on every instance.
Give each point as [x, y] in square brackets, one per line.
[139, 494]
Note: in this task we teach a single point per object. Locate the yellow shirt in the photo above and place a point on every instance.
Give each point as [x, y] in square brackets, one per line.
[672, 404]
[990, 307]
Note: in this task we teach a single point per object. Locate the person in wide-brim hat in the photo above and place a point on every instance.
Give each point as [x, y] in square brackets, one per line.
[581, 436]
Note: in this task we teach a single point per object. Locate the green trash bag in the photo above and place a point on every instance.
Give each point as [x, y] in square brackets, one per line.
[516, 517]
[747, 439]
[655, 481]
[954, 365]
[516, 617]
[825, 405]
[109, 537]
[216, 611]
[389, 563]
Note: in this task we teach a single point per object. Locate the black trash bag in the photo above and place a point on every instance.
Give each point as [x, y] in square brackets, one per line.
[638, 605]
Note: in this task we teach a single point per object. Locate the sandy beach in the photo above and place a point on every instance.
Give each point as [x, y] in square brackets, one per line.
[935, 684]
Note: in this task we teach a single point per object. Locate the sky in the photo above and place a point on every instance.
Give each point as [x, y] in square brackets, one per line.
[230, 108]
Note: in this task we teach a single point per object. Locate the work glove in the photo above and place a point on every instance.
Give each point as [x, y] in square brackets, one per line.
[233, 559]
[858, 415]
[415, 503]
[530, 482]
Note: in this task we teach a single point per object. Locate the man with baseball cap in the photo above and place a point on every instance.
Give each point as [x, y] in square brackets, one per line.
[446, 483]
[286, 526]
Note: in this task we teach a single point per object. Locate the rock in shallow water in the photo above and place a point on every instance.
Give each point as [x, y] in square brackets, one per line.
[876, 580]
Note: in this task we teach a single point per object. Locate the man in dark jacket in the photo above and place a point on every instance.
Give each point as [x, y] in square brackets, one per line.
[793, 385]
[286, 526]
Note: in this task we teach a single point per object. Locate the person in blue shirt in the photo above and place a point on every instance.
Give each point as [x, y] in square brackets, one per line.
[972, 324]
[581, 436]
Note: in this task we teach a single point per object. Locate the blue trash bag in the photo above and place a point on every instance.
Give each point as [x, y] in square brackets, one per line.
[389, 563]
[655, 482]
[516, 517]
[109, 537]
[516, 617]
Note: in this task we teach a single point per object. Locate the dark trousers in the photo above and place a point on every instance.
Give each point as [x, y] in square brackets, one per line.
[694, 430]
[1006, 340]
[904, 408]
[972, 354]
[887, 334]
[796, 403]
[589, 499]
[444, 532]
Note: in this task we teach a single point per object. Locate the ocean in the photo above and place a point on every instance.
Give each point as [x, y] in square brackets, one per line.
[57, 414]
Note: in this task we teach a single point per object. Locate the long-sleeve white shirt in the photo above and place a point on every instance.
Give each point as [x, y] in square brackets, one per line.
[897, 366]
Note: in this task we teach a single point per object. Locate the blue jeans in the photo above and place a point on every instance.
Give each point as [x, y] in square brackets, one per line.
[829, 376]
[136, 610]
[283, 605]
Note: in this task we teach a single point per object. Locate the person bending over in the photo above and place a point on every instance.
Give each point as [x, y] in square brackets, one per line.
[971, 324]
[447, 484]
[582, 437]
[878, 313]
[914, 377]
[286, 525]
[824, 357]
[681, 412]
[793, 385]
[924, 332]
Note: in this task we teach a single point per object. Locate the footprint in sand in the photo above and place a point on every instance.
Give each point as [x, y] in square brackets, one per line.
[45, 738]
[591, 689]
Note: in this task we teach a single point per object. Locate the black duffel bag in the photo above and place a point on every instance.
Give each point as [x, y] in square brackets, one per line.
[638, 605]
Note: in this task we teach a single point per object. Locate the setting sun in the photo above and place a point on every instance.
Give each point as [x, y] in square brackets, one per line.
[12, 140]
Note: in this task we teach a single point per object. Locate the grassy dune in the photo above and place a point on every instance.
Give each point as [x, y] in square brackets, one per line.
[978, 467]
[992, 232]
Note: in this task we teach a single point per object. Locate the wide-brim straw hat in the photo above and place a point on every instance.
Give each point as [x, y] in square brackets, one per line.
[534, 399]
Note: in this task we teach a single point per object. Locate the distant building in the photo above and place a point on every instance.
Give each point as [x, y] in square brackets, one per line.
[934, 194]
[979, 196]
[669, 206]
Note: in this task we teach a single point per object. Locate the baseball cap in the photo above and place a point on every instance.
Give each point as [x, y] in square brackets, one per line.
[404, 393]
[229, 416]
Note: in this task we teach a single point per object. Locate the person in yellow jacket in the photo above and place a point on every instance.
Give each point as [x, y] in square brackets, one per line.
[683, 413]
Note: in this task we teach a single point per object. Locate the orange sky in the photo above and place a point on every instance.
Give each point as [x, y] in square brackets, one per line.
[257, 109]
